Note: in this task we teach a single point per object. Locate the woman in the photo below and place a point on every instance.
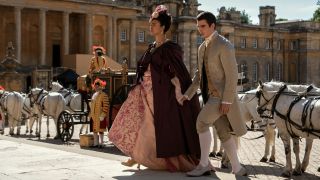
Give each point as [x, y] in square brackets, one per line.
[151, 127]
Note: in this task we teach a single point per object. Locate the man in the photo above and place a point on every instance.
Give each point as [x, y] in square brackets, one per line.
[217, 75]
[98, 62]
[99, 112]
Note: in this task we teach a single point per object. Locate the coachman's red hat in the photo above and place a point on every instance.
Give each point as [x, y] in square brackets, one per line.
[98, 48]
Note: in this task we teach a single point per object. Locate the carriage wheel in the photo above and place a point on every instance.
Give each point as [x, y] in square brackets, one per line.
[65, 126]
[118, 98]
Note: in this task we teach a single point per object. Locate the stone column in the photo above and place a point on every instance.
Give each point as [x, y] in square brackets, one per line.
[42, 39]
[133, 48]
[66, 32]
[89, 33]
[193, 52]
[184, 42]
[110, 35]
[115, 38]
[17, 15]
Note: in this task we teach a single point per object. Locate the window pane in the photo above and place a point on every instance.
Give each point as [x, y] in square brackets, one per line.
[123, 35]
[141, 36]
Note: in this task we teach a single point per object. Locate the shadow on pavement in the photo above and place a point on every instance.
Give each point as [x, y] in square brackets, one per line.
[256, 170]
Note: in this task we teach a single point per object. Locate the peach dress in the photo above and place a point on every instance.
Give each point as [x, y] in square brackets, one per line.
[133, 131]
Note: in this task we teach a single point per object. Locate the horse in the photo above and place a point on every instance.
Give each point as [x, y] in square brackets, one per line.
[73, 100]
[11, 103]
[249, 102]
[28, 114]
[3, 94]
[48, 103]
[296, 115]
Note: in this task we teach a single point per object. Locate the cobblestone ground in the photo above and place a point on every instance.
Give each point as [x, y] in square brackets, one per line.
[250, 153]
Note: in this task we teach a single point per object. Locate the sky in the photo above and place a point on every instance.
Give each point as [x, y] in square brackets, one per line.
[288, 9]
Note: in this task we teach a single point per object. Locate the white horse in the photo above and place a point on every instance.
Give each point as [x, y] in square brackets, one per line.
[249, 102]
[11, 103]
[29, 114]
[50, 104]
[73, 101]
[295, 116]
[3, 94]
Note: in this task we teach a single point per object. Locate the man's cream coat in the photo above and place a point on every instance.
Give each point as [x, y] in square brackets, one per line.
[223, 75]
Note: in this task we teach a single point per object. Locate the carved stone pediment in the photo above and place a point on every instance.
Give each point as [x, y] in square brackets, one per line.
[10, 63]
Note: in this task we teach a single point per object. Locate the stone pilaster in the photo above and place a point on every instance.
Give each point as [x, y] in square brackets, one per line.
[42, 39]
[66, 32]
[89, 33]
[115, 38]
[184, 42]
[193, 52]
[133, 48]
[17, 16]
[110, 35]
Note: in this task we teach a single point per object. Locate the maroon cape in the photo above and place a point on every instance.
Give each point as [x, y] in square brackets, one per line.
[175, 125]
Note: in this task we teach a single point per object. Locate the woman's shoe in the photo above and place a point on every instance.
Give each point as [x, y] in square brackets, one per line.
[130, 162]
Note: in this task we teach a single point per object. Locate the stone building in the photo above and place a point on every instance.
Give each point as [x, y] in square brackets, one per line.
[285, 51]
[46, 32]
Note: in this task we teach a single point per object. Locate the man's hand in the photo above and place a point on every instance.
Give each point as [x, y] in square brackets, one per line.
[224, 108]
[101, 118]
[182, 99]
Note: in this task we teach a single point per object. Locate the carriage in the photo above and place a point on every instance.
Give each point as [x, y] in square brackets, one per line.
[118, 85]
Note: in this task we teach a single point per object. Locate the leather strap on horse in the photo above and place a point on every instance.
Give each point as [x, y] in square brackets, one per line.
[276, 98]
[288, 120]
[311, 130]
[291, 123]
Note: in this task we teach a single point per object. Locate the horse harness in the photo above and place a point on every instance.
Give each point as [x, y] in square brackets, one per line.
[28, 110]
[3, 99]
[39, 100]
[310, 103]
[67, 93]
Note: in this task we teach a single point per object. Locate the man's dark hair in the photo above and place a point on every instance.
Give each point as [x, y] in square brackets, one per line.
[208, 16]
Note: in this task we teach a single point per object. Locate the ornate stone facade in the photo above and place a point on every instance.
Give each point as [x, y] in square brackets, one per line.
[44, 32]
[285, 51]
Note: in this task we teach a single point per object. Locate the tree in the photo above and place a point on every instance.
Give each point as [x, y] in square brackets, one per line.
[316, 15]
[245, 18]
[281, 19]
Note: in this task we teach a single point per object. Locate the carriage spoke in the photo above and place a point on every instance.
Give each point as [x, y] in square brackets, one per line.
[65, 126]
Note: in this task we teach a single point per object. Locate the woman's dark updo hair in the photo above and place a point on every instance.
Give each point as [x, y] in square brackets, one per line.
[165, 20]
[161, 14]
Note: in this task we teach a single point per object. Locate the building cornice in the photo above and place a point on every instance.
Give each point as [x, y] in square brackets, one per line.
[81, 7]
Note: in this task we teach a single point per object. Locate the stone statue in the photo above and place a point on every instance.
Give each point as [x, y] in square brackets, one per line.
[190, 8]
[10, 49]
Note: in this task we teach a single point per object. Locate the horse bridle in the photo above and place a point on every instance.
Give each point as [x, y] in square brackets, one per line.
[35, 100]
[262, 108]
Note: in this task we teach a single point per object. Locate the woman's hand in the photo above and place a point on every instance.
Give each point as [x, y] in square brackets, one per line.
[179, 95]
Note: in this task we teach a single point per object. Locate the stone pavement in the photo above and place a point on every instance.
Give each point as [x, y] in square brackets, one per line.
[27, 157]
